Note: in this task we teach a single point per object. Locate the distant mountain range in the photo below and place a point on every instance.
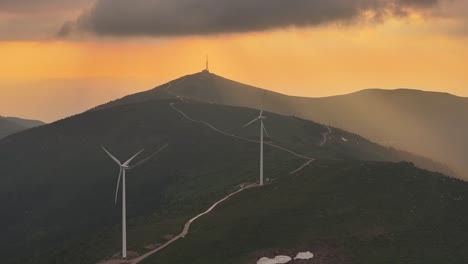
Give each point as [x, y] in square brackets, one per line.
[330, 191]
[431, 124]
[11, 125]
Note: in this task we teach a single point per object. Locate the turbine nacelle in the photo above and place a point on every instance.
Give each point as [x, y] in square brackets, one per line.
[126, 165]
[260, 117]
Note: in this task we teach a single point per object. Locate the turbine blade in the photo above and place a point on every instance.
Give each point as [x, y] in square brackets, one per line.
[266, 132]
[134, 156]
[251, 122]
[118, 184]
[112, 157]
[262, 102]
[149, 157]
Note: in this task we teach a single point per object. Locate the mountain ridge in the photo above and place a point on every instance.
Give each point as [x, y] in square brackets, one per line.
[417, 121]
[365, 90]
[399, 90]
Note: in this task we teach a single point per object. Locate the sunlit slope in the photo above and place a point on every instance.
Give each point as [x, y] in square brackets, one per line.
[312, 139]
[343, 212]
[426, 123]
[58, 185]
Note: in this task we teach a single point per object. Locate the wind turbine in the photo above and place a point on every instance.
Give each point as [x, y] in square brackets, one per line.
[123, 168]
[260, 117]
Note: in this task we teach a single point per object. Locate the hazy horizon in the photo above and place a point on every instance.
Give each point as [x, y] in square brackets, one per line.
[73, 96]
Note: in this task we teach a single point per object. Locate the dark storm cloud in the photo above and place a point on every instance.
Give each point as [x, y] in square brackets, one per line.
[36, 19]
[25, 6]
[201, 17]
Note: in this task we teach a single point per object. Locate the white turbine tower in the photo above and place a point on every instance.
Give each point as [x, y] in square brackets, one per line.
[261, 117]
[123, 168]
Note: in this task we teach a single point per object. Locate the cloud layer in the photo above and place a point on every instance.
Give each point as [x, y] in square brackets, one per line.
[203, 17]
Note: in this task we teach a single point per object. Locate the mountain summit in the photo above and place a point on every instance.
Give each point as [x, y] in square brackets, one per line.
[204, 87]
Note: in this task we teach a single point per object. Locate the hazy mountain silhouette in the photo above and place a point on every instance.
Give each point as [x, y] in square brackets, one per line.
[426, 123]
[27, 123]
[11, 125]
[7, 127]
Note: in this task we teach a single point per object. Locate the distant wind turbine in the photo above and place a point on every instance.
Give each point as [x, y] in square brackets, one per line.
[123, 168]
[260, 117]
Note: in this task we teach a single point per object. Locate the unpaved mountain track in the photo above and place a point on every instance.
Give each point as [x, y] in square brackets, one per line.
[300, 168]
[309, 159]
[239, 137]
[187, 226]
[325, 136]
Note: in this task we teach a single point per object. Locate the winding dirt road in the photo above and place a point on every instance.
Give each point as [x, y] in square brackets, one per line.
[300, 168]
[188, 224]
[239, 137]
[325, 136]
[309, 159]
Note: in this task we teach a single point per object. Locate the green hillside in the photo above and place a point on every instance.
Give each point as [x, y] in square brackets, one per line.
[305, 136]
[343, 212]
[58, 185]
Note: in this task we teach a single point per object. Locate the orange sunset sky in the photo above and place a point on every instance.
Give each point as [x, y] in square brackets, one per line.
[47, 76]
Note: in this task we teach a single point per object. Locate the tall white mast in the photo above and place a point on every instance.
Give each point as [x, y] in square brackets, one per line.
[124, 217]
[260, 118]
[261, 151]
